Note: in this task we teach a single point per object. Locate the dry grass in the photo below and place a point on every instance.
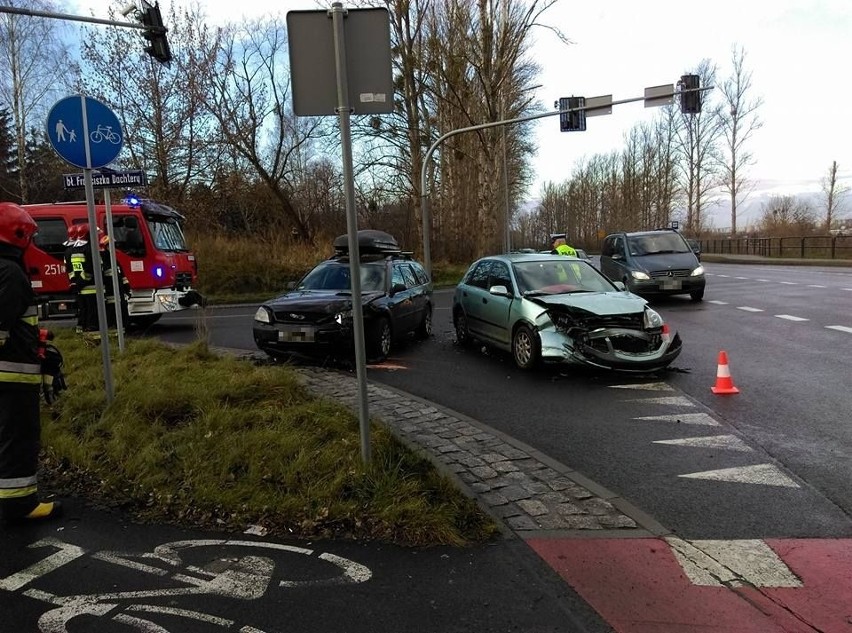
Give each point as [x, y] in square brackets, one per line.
[196, 439]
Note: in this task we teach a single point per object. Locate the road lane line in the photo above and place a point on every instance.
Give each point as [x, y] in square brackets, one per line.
[748, 309]
[766, 281]
[816, 286]
[762, 474]
[718, 303]
[726, 276]
[839, 328]
[790, 283]
[648, 386]
[790, 317]
[725, 442]
[743, 278]
[670, 401]
[682, 418]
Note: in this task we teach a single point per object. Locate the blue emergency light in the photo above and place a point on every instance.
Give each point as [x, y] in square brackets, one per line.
[131, 201]
[158, 272]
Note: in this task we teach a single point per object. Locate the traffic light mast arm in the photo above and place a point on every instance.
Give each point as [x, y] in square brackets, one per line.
[424, 194]
[72, 18]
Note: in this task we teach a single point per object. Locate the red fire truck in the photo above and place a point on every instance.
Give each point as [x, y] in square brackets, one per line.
[150, 248]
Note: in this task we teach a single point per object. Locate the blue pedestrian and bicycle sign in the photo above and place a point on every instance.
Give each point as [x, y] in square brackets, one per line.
[84, 132]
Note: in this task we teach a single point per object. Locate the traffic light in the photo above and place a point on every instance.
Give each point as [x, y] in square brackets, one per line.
[690, 97]
[155, 33]
[572, 121]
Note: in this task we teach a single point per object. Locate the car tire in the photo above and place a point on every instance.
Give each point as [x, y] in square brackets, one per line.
[379, 340]
[697, 295]
[463, 337]
[526, 348]
[424, 330]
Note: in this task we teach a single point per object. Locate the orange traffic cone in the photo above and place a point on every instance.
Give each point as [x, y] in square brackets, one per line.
[724, 384]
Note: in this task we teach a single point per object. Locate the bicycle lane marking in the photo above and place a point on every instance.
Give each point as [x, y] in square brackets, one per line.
[243, 578]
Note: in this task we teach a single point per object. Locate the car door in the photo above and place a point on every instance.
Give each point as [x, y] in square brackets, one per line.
[474, 293]
[496, 309]
[402, 305]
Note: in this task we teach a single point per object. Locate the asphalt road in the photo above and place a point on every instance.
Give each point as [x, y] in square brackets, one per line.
[784, 439]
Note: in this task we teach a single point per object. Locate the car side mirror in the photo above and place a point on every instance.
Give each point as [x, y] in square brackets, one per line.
[500, 291]
[620, 285]
[617, 256]
[291, 285]
[397, 288]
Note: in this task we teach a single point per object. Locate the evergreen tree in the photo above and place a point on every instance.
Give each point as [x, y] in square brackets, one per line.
[9, 186]
[45, 170]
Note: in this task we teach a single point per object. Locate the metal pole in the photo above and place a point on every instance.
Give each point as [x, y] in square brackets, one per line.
[338, 14]
[116, 282]
[96, 269]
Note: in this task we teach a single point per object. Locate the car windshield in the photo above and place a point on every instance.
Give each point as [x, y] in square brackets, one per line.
[335, 276]
[559, 276]
[657, 244]
[166, 234]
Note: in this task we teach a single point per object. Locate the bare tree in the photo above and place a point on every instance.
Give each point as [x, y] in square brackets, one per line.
[34, 65]
[166, 128]
[249, 99]
[833, 194]
[738, 121]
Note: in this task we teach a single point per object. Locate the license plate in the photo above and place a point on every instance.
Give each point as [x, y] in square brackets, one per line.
[670, 284]
[296, 335]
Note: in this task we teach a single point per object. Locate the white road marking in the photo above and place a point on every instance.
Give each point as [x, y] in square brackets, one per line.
[65, 555]
[763, 474]
[790, 317]
[749, 309]
[790, 283]
[746, 278]
[766, 281]
[648, 386]
[719, 303]
[849, 289]
[815, 286]
[839, 328]
[726, 276]
[668, 400]
[702, 419]
[725, 442]
[719, 563]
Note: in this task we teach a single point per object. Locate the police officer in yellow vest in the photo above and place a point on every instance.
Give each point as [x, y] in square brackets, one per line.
[20, 375]
[557, 242]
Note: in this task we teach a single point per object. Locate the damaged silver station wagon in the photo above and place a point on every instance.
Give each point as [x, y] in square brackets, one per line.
[559, 309]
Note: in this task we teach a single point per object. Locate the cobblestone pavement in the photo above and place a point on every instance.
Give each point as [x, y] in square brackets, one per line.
[529, 493]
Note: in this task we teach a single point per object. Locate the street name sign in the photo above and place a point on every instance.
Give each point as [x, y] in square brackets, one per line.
[106, 180]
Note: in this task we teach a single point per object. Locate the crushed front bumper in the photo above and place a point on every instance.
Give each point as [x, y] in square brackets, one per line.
[612, 348]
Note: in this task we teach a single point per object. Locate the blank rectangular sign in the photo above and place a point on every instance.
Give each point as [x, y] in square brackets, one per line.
[368, 62]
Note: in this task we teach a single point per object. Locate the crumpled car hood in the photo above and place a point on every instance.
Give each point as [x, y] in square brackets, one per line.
[601, 303]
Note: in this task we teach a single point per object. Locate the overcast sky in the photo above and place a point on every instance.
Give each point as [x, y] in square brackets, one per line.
[798, 51]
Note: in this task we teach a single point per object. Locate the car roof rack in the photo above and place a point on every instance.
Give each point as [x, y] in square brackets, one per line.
[370, 242]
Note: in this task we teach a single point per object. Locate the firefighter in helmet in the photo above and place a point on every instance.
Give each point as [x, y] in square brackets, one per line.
[81, 273]
[109, 290]
[21, 367]
[74, 276]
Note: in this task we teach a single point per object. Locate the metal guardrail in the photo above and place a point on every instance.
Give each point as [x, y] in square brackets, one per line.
[808, 247]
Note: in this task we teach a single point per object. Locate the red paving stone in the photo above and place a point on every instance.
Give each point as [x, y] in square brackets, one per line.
[638, 586]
